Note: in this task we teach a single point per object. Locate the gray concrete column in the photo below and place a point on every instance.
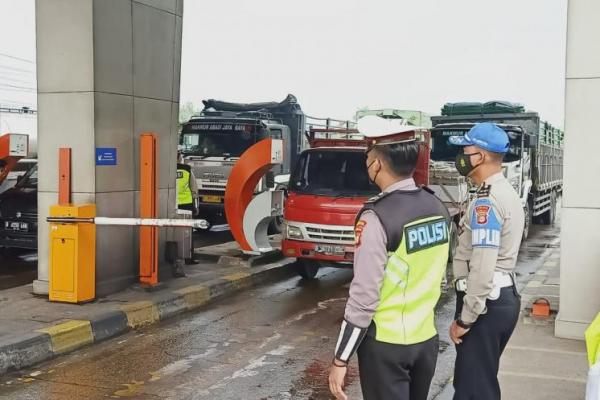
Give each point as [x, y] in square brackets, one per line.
[107, 71]
[580, 237]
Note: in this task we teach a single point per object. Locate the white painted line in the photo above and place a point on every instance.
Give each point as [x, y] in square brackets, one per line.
[219, 228]
[542, 376]
[543, 350]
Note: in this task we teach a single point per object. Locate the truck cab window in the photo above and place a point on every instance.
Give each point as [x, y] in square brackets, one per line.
[332, 173]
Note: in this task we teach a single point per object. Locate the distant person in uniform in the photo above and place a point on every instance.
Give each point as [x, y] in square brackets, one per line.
[187, 194]
[487, 304]
[187, 188]
[402, 247]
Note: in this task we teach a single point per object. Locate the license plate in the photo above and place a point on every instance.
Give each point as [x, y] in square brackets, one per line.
[16, 226]
[329, 249]
[211, 199]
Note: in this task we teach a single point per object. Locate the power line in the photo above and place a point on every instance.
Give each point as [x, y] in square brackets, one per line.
[10, 79]
[17, 86]
[20, 70]
[17, 58]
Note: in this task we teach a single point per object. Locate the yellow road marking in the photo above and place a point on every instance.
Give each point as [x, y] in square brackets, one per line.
[194, 296]
[69, 335]
[141, 313]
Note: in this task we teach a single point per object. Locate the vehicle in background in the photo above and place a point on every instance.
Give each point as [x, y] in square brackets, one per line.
[328, 187]
[411, 117]
[18, 171]
[18, 213]
[214, 140]
[533, 164]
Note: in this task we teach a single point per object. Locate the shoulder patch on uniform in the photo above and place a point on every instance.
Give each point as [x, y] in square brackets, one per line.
[485, 225]
[358, 229]
[484, 190]
[425, 235]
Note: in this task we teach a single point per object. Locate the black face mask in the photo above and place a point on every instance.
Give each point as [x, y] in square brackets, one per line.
[376, 173]
[463, 164]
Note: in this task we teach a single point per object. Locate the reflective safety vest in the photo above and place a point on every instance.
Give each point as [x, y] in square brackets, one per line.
[184, 192]
[417, 226]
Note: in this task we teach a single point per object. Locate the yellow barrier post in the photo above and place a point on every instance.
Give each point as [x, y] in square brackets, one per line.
[72, 255]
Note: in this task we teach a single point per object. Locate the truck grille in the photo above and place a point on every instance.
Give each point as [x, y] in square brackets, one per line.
[345, 236]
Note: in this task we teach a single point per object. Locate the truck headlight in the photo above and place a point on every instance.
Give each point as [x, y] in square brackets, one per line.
[293, 232]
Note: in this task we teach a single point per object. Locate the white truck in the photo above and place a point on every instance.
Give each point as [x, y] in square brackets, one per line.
[533, 164]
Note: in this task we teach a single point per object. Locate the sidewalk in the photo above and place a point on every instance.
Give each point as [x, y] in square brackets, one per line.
[33, 330]
[536, 365]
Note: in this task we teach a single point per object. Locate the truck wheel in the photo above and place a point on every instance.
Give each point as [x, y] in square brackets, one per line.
[528, 212]
[275, 226]
[549, 216]
[307, 269]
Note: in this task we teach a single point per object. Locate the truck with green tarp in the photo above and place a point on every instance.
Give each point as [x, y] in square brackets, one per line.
[533, 164]
[410, 117]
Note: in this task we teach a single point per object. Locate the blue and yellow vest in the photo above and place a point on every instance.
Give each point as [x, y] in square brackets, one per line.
[417, 227]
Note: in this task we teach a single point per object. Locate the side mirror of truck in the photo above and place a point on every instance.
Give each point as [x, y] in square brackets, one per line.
[532, 141]
[270, 180]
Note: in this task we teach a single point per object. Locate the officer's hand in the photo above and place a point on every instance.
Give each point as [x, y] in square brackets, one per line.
[336, 382]
[456, 332]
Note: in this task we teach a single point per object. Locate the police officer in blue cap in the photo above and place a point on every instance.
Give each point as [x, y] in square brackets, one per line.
[490, 232]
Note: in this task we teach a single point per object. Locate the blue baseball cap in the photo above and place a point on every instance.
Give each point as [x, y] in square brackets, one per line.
[486, 135]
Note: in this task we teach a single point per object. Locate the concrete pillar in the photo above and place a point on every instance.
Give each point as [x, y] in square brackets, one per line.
[580, 237]
[107, 71]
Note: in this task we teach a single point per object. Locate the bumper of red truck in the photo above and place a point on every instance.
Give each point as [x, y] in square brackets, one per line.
[310, 250]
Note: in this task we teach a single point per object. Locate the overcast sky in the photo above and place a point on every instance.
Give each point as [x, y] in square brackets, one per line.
[339, 55]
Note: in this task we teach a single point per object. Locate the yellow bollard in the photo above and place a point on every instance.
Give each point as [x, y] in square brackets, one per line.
[72, 255]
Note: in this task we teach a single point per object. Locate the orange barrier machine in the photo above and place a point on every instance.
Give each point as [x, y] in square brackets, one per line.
[248, 215]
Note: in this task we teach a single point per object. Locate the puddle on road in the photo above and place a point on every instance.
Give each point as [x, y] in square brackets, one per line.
[313, 385]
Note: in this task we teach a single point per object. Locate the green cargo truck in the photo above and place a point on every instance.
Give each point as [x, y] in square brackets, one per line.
[533, 164]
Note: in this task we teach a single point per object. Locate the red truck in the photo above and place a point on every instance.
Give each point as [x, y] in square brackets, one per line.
[327, 188]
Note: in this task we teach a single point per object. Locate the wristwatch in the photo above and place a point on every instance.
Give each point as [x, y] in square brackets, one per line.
[339, 363]
[463, 325]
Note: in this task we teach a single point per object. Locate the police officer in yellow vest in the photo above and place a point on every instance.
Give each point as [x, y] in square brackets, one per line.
[402, 244]
[490, 234]
[187, 188]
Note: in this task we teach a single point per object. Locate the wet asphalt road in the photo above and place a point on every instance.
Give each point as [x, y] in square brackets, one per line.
[17, 267]
[271, 342]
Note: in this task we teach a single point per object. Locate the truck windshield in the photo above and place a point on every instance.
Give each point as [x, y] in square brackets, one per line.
[332, 173]
[216, 143]
[442, 150]
[30, 179]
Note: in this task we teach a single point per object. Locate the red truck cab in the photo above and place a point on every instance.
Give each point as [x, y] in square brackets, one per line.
[327, 188]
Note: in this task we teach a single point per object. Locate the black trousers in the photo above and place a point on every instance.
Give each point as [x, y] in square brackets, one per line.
[188, 207]
[396, 372]
[478, 356]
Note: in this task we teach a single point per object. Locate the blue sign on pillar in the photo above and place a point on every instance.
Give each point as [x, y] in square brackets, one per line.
[106, 156]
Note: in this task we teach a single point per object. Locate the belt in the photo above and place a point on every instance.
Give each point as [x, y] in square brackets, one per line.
[501, 280]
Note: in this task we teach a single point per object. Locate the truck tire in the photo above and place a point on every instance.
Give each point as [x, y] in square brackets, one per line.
[275, 226]
[528, 212]
[549, 216]
[307, 269]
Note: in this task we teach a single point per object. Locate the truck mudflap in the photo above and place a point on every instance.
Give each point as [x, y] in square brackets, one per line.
[334, 253]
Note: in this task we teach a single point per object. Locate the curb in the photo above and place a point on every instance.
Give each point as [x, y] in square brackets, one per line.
[530, 292]
[44, 344]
